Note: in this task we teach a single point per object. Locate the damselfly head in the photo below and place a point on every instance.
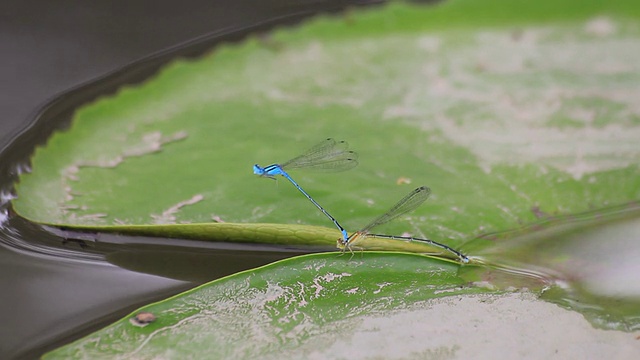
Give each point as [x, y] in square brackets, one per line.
[262, 172]
[345, 244]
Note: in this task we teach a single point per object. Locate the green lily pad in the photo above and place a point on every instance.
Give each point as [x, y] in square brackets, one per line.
[283, 307]
[374, 305]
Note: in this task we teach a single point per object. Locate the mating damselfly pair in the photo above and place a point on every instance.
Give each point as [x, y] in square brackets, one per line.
[334, 155]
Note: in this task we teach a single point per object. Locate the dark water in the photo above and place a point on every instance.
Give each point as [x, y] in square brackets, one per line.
[54, 290]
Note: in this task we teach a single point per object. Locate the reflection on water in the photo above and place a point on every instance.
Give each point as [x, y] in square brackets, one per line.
[586, 262]
[15, 232]
[182, 259]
